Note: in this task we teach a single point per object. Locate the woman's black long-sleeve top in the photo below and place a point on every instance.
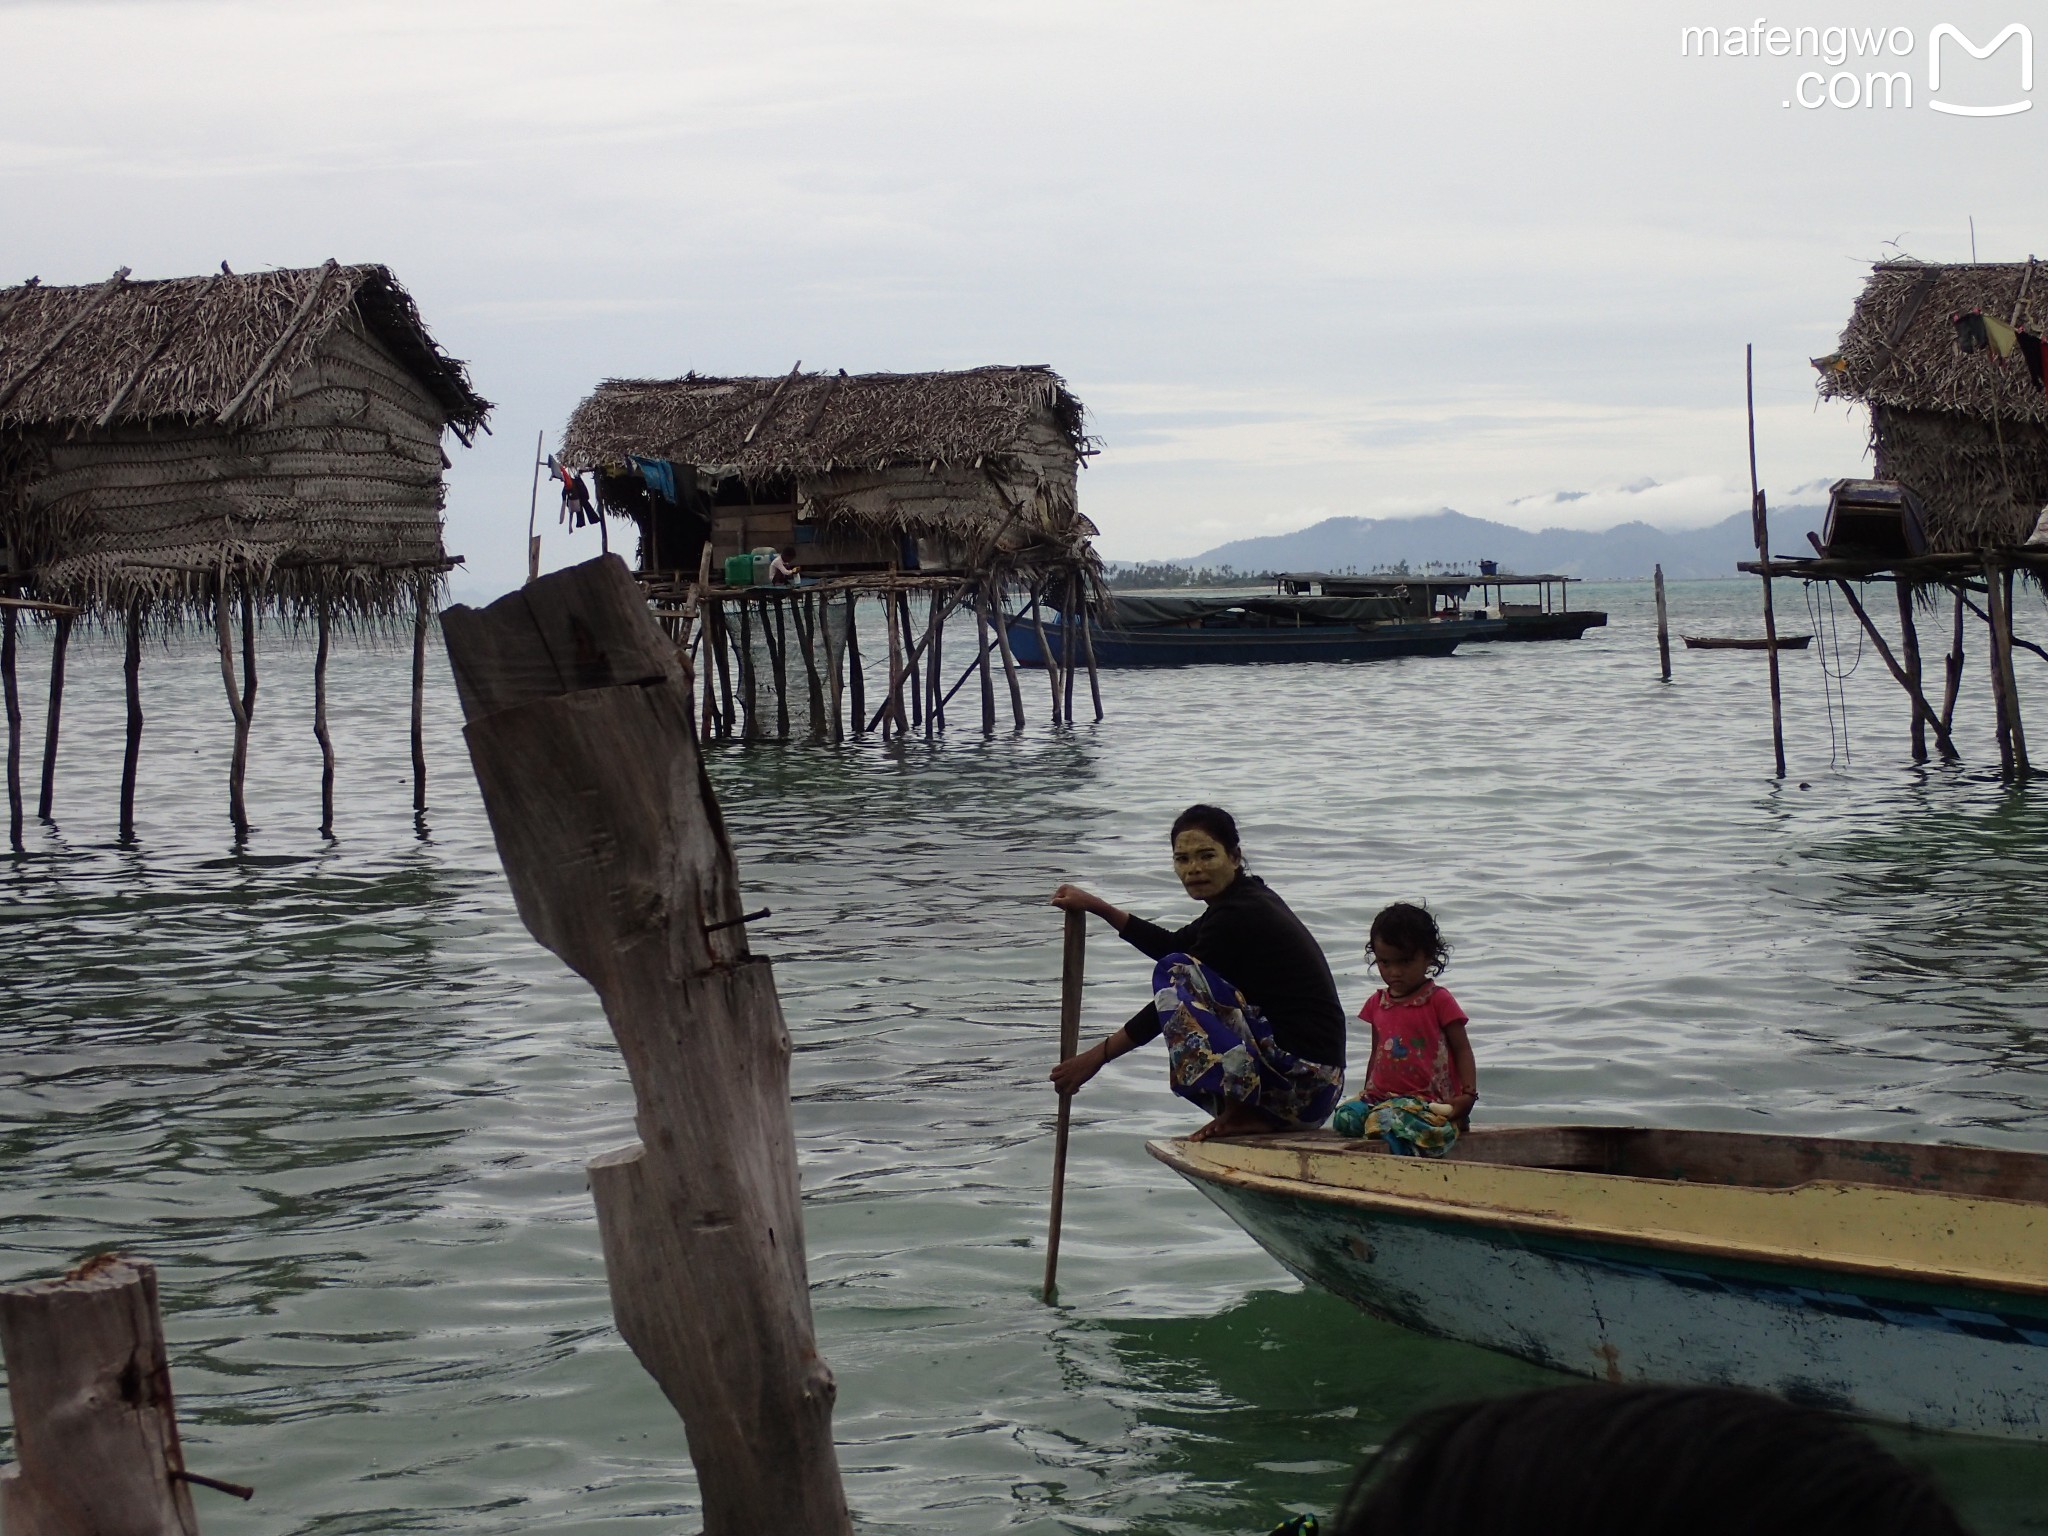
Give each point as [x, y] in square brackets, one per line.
[1250, 938]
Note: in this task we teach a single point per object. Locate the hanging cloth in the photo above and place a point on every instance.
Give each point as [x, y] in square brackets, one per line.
[577, 510]
[1971, 335]
[2003, 337]
[2030, 350]
[659, 475]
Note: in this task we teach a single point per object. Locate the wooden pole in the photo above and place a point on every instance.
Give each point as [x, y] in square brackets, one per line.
[1909, 643]
[1070, 653]
[988, 686]
[95, 1431]
[856, 675]
[2012, 735]
[132, 669]
[594, 786]
[1759, 512]
[1001, 619]
[750, 695]
[58, 646]
[1088, 650]
[1052, 665]
[9, 684]
[778, 655]
[934, 631]
[422, 606]
[910, 682]
[1073, 952]
[1663, 627]
[248, 654]
[1953, 666]
[806, 616]
[1884, 654]
[727, 714]
[834, 639]
[322, 620]
[238, 765]
[892, 706]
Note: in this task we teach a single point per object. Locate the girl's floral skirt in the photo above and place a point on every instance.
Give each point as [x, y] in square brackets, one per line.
[1220, 1050]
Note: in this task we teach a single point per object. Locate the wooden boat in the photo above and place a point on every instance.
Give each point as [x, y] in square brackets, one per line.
[1179, 631]
[1899, 1282]
[1744, 642]
[1443, 597]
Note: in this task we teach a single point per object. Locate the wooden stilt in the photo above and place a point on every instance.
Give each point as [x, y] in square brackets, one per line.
[727, 716]
[58, 646]
[834, 639]
[806, 616]
[701, 1221]
[132, 669]
[1884, 654]
[238, 765]
[1954, 667]
[11, 686]
[910, 683]
[988, 686]
[778, 658]
[1909, 643]
[249, 654]
[95, 1432]
[892, 706]
[935, 629]
[1759, 512]
[1070, 653]
[323, 624]
[1001, 619]
[422, 608]
[2012, 735]
[856, 675]
[750, 694]
[1088, 650]
[1052, 664]
[1663, 627]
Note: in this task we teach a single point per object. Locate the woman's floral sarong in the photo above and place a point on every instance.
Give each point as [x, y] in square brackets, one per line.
[1220, 1050]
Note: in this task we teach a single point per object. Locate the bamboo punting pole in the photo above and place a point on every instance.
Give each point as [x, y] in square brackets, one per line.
[1001, 619]
[988, 686]
[422, 605]
[1759, 512]
[10, 685]
[1052, 666]
[58, 646]
[1909, 642]
[131, 668]
[702, 1220]
[856, 675]
[95, 1431]
[1073, 952]
[1884, 654]
[1663, 627]
[1953, 666]
[323, 623]
[237, 765]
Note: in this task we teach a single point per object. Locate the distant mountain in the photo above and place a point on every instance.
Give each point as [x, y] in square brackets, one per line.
[1624, 552]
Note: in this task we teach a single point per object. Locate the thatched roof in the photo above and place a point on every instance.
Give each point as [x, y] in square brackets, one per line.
[803, 425]
[220, 349]
[1900, 349]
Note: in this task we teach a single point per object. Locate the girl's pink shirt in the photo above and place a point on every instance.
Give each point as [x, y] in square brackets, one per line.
[1410, 1057]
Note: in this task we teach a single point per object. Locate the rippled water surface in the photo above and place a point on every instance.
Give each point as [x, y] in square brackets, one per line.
[343, 1099]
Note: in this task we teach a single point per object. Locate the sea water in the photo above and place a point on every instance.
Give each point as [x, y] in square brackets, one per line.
[343, 1099]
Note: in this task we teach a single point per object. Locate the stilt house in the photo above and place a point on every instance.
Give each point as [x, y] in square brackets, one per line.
[868, 472]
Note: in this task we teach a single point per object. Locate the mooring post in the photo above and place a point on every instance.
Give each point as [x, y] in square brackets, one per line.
[58, 645]
[322, 624]
[10, 619]
[1663, 627]
[131, 668]
[95, 1433]
[578, 726]
[1909, 643]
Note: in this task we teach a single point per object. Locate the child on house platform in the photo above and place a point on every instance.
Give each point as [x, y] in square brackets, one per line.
[1420, 1081]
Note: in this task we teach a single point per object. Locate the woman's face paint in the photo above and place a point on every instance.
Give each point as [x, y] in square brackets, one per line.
[1202, 864]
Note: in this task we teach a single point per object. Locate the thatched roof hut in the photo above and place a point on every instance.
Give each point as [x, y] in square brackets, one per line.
[978, 464]
[1966, 431]
[280, 428]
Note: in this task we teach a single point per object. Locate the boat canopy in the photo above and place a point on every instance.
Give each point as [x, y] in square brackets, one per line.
[1168, 612]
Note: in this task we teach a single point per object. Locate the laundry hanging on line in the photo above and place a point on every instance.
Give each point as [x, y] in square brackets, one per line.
[577, 509]
[657, 474]
[1979, 332]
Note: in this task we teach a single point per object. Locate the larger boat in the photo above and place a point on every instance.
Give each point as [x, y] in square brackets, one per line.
[1179, 631]
[1447, 598]
[1900, 1282]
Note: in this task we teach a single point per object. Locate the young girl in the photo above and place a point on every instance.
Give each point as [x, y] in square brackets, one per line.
[1419, 1048]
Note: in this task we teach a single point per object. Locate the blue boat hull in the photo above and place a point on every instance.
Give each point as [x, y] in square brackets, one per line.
[1236, 647]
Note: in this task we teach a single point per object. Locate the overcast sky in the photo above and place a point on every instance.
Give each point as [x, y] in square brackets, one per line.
[1298, 260]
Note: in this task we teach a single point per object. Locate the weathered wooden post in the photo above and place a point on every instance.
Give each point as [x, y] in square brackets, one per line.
[238, 764]
[856, 675]
[324, 623]
[1760, 527]
[579, 728]
[10, 619]
[1001, 619]
[422, 611]
[1663, 627]
[95, 1434]
[58, 646]
[1953, 666]
[988, 687]
[1909, 643]
[131, 668]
